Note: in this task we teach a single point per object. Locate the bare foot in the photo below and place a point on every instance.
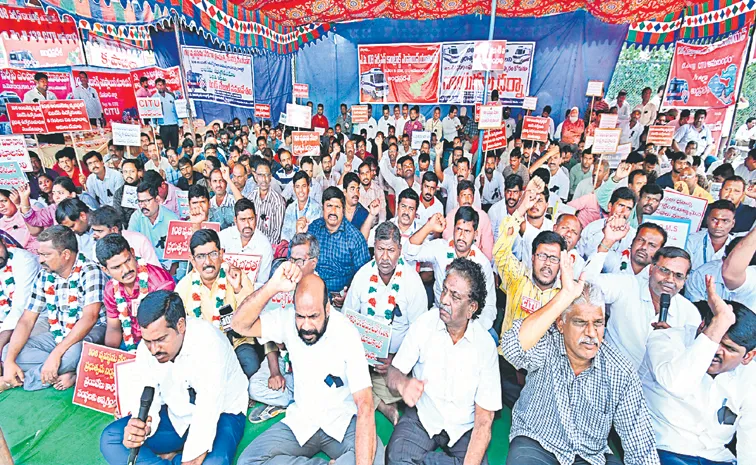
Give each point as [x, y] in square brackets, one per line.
[65, 381]
[389, 411]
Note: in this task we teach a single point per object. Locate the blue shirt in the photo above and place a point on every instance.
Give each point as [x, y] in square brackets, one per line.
[359, 217]
[172, 175]
[168, 102]
[342, 253]
[665, 180]
[312, 212]
[156, 233]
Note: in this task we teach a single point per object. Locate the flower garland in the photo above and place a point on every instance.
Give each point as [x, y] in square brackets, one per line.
[625, 259]
[58, 328]
[220, 296]
[7, 288]
[393, 287]
[123, 307]
[453, 252]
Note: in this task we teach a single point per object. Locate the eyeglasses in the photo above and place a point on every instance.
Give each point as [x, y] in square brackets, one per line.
[551, 258]
[666, 272]
[201, 257]
[300, 262]
[145, 201]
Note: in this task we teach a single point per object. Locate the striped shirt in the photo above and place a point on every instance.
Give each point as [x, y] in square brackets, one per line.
[523, 296]
[342, 253]
[270, 214]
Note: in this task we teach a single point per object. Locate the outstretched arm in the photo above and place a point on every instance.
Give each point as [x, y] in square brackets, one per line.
[246, 319]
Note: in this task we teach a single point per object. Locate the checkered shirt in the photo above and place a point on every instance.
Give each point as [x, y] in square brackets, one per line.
[342, 253]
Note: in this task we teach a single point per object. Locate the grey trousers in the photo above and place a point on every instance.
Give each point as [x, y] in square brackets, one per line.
[34, 354]
[410, 444]
[278, 446]
[259, 390]
[526, 451]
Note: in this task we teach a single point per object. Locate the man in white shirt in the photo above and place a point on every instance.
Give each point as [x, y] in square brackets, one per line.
[451, 125]
[333, 402]
[385, 121]
[697, 132]
[621, 204]
[40, 91]
[709, 243]
[435, 125]
[106, 220]
[623, 108]
[739, 271]
[328, 177]
[490, 184]
[460, 170]
[406, 178]
[243, 238]
[559, 182]
[698, 386]
[454, 387]
[647, 108]
[746, 132]
[747, 170]
[350, 162]
[103, 182]
[91, 99]
[200, 396]
[401, 120]
[429, 204]
[371, 127]
[631, 130]
[156, 162]
[649, 238]
[513, 188]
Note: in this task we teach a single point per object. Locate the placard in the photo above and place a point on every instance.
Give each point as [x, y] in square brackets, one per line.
[418, 137]
[219, 76]
[262, 110]
[11, 175]
[26, 118]
[298, 115]
[529, 103]
[490, 116]
[13, 148]
[248, 263]
[95, 379]
[606, 140]
[305, 143]
[535, 128]
[282, 119]
[149, 107]
[678, 229]
[494, 139]
[614, 159]
[360, 114]
[489, 55]
[320, 131]
[301, 90]
[127, 385]
[129, 199]
[595, 89]
[281, 300]
[684, 207]
[177, 242]
[128, 135]
[375, 336]
[714, 189]
[65, 115]
[399, 73]
[608, 121]
[660, 136]
[182, 200]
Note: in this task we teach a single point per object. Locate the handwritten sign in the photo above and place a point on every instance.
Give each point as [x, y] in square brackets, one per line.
[262, 110]
[177, 243]
[95, 380]
[494, 139]
[714, 189]
[683, 207]
[535, 128]
[418, 137]
[606, 140]
[13, 148]
[374, 334]
[489, 55]
[65, 115]
[298, 115]
[126, 134]
[305, 143]
[149, 107]
[301, 90]
[360, 114]
[490, 117]
[129, 199]
[608, 121]
[677, 229]
[182, 198]
[11, 175]
[248, 263]
[595, 89]
[278, 301]
[26, 118]
[529, 103]
[661, 136]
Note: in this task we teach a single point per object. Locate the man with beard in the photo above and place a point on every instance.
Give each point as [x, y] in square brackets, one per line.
[621, 204]
[414, 124]
[105, 221]
[632, 261]
[651, 196]
[515, 166]
[288, 170]
[429, 205]
[132, 279]
[562, 342]
[18, 272]
[697, 386]
[152, 221]
[403, 176]
[74, 213]
[155, 161]
[449, 181]
[697, 132]
[69, 291]
[441, 252]
[333, 408]
[490, 184]
[348, 163]
[709, 243]
[244, 238]
[370, 191]
[559, 181]
[328, 178]
[189, 177]
[483, 233]
[386, 289]
[581, 171]
[315, 191]
[734, 190]
[132, 171]
[453, 390]
[172, 174]
[200, 391]
[66, 165]
[513, 189]
[221, 196]
[269, 205]
[679, 162]
[301, 212]
[354, 212]
[102, 181]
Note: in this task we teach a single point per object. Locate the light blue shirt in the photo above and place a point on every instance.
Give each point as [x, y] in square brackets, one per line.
[701, 250]
[312, 212]
[156, 233]
[168, 102]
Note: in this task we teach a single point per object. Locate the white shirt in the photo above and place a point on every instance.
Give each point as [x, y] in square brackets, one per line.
[744, 173]
[743, 134]
[450, 186]
[325, 183]
[337, 354]
[25, 266]
[623, 112]
[689, 133]
[631, 135]
[628, 301]
[747, 292]
[559, 187]
[383, 124]
[228, 201]
[457, 376]
[493, 189]
[86, 243]
[449, 127]
[592, 236]
[684, 401]
[701, 250]
[409, 300]
[437, 252]
[648, 113]
[34, 96]
[162, 165]
[497, 213]
[91, 100]
[423, 213]
[258, 245]
[584, 187]
[436, 126]
[523, 246]
[395, 182]
[104, 190]
[400, 123]
[339, 164]
[207, 363]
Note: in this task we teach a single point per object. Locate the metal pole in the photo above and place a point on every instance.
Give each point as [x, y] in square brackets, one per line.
[83, 48]
[491, 25]
[740, 89]
[176, 27]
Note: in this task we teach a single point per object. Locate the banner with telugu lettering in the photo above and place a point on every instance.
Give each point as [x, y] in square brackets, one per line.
[399, 73]
[218, 76]
[375, 335]
[95, 381]
[115, 91]
[177, 241]
[172, 77]
[11, 175]
[684, 207]
[18, 82]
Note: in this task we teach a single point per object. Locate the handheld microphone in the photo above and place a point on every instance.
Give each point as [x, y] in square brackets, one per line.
[144, 408]
[664, 301]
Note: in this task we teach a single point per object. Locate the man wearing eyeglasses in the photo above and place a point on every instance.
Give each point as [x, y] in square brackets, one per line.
[244, 238]
[152, 220]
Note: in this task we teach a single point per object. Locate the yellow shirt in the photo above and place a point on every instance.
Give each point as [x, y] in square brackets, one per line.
[698, 192]
[184, 290]
[523, 296]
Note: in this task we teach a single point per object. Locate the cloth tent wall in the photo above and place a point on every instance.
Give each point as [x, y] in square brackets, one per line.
[272, 76]
[571, 49]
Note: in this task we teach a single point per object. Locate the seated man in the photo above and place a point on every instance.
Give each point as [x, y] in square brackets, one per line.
[303, 210]
[200, 210]
[649, 238]
[484, 233]
[698, 386]
[18, 272]
[389, 290]
[106, 220]
[200, 391]
[244, 238]
[621, 204]
[709, 243]
[69, 291]
[577, 387]
[132, 279]
[454, 389]
[333, 403]
[213, 286]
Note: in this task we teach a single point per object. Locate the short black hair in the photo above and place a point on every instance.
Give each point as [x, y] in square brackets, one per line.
[159, 304]
[183, 161]
[722, 205]
[655, 227]
[623, 193]
[138, 165]
[467, 214]
[66, 152]
[91, 154]
[430, 176]
[743, 331]
[202, 237]
[652, 189]
[548, 237]
[39, 75]
[110, 246]
[634, 174]
[349, 178]
[670, 251]
[725, 170]
[473, 274]
[70, 209]
[105, 216]
[512, 181]
[66, 183]
[62, 238]
[334, 192]
[149, 187]
[198, 190]
[153, 177]
[244, 204]
[544, 174]
[465, 185]
[301, 174]
[409, 193]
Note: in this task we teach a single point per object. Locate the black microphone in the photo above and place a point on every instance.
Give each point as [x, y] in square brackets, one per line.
[144, 409]
[664, 301]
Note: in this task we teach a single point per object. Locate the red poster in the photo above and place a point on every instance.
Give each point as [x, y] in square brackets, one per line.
[715, 119]
[179, 233]
[250, 264]
[95, 383]
[65, 115]
[34, 38]
[488, 55]
[301, 90]
[494, 139]
[115, 91]
[535, 128]
[26, 118]
[661, 136]
[172, 78]
[305, 143]
[262, 111]
[706, 76]
[399, 73]
[20, 81]
[360, 114]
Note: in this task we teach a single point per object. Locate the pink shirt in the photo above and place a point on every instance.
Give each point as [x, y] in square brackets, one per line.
[484, 238]
[587, 208]
[171, 201]
[142, 246]
[16, 227]
[41, 217]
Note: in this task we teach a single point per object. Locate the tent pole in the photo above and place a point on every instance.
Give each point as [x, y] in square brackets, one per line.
[491, 25]
[176, 27]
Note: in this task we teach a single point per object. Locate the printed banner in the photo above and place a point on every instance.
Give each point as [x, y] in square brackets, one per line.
[661, 136]
[172, 77]
[360, 114]
[301, 90]
[149, 107]
[494, 139]
[278, 301]
[404, 73]
[677, 229]
[217, 76]
[95, 381]
[706, 76]
[17, 82]
[107, 52]
[262, 111]
[375, 336]
[116, 94]
[65, 115]
[13, 149]
[26, 118]
[11, 175]
[462, 85]
[535, 128]
[177, 241]
[249, 264]
[683, 207]
[489, 55]
[305, 143]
